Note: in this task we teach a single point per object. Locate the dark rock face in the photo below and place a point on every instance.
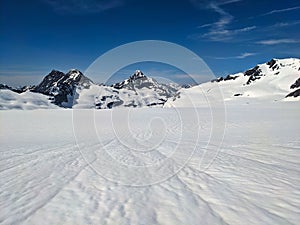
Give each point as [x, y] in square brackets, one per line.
[273, 64]
[228, 77]
[296, 84]
[114, 104]
[254, 74]
[186, 86]
[294, 94]
[252, 78]
[114, 101]
[154, 104]
[219, 79]
[62, 86]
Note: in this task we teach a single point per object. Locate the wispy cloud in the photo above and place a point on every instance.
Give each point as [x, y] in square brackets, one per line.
[219, 31]
[225, 17]
[241, 56]
[82, 6]
[281, 10]
[278, 41]
[226, 34]
[286, 24]
[206, 25]
[226, 2]
[245, 55]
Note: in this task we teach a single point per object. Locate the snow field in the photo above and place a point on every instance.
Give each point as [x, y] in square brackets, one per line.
[139, 166]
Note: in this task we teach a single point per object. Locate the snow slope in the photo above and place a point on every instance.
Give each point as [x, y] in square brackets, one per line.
[26, 100]
[50, 176]
[266, 82]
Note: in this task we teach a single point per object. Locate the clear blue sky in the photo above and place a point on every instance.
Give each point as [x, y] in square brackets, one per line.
[230, 35]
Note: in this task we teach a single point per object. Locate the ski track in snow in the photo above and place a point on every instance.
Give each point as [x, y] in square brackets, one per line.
[255, 178]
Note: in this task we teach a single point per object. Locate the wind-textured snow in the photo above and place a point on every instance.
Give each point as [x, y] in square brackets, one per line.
[50, 176]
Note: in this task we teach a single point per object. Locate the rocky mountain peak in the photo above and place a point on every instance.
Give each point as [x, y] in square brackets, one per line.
[136, 79]
[62, 86]
[137, 75]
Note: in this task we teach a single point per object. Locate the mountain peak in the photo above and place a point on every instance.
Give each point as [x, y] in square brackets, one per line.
[129, 83]
[62, 86]
[74, 74]
[138, 74]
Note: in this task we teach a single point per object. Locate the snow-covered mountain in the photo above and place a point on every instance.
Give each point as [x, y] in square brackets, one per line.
[136, 91]
[276, 80]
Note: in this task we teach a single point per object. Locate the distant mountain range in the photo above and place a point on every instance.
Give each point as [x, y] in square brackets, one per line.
[74, 90]
[276, 80]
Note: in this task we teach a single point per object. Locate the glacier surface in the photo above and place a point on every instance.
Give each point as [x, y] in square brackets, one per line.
[145, 166]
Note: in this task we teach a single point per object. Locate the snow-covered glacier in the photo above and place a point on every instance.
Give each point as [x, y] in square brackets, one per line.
[151, 166]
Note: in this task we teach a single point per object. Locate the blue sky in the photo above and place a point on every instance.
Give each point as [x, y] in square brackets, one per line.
[229, 35]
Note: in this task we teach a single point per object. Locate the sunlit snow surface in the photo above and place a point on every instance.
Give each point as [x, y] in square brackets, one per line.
[56, 170]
